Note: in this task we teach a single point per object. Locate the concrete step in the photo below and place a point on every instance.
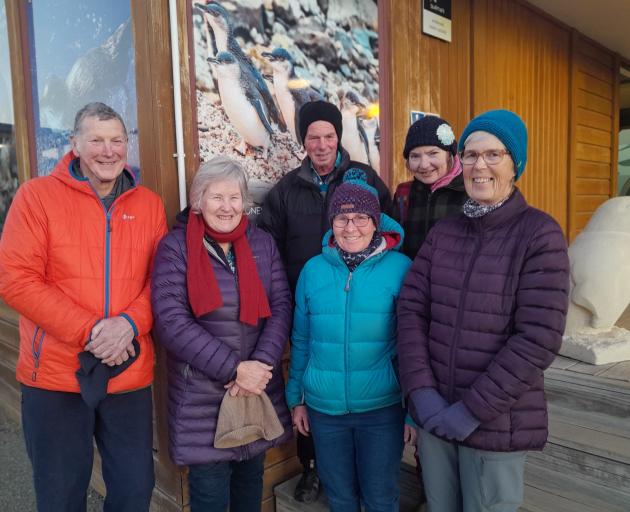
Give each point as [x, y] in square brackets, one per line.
[409, 495]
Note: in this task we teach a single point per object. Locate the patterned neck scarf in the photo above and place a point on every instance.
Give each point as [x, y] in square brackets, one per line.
[473, 209]
[354, 259]
[323, 181]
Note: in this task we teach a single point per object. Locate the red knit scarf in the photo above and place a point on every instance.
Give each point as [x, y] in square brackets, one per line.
[203, 290]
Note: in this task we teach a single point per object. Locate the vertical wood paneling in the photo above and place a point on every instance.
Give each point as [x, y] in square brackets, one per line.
[521, 62]
[593, 141]
[426, 74]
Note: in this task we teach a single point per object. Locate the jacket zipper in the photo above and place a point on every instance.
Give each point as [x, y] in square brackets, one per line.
[458, 322]
[37, 351]
[345, 341]
[107, 255]
[108, 230]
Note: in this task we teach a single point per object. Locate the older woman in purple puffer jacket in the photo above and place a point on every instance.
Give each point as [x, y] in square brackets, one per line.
[222, 309]
[480, 317]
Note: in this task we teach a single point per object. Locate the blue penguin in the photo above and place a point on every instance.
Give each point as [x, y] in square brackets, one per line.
[373, 136]
[206, 31]
[219, 20]
[242, 103]
[291, 91]
[353, 139]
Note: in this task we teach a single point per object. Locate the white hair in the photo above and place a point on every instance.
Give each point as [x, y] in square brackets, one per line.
[219, 168]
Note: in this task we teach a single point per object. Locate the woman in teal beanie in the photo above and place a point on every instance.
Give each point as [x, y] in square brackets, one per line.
[480, 317]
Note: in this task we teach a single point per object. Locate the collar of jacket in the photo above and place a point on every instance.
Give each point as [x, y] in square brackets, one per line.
[63, 172]
[306, 167]
[513, 207]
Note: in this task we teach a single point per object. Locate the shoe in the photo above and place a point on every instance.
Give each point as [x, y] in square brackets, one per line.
[307, 489]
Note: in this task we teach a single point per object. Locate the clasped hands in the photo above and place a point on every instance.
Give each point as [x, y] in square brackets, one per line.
[451, 421]
[111, 341]
[252, 378]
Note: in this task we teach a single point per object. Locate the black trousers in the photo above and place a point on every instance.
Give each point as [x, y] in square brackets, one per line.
[305, 449]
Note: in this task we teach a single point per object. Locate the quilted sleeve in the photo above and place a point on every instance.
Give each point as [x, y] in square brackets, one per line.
[23, 282]
[414, 316]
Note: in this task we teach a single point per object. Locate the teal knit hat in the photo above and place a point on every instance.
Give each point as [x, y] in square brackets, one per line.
[505, 126]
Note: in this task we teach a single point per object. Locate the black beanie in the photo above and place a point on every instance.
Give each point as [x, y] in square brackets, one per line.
[319, 111]
[430, 131]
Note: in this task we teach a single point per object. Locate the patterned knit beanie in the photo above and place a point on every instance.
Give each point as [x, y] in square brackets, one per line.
[319, 111]
[430, 131]
[505, 126]
[354, 195]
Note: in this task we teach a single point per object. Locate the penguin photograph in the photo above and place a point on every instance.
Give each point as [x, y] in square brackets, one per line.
[292, 92]
[257, 63]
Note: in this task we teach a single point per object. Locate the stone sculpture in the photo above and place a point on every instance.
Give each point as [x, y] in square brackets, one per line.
[600, 287]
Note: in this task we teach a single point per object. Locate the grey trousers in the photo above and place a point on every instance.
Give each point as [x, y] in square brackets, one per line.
[461, 479]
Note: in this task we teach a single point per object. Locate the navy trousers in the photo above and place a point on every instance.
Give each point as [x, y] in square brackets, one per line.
[212, 486]
[59, 429]
[358, 458]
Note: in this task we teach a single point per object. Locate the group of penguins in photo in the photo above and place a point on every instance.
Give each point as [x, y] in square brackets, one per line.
[250, 107]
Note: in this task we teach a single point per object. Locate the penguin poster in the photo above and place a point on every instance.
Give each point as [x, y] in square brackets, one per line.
[258, 61]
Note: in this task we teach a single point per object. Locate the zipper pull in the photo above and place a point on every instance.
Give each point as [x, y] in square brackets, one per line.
[347, 287]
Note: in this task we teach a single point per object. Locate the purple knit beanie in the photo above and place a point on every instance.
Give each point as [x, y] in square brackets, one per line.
[354, 195]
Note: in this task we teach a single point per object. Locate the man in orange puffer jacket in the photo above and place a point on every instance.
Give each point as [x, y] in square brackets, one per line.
[75, 262]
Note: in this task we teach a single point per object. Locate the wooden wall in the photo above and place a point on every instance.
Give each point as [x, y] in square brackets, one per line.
[508, 54]
[425, 74]
[521, 63]
[594, 135]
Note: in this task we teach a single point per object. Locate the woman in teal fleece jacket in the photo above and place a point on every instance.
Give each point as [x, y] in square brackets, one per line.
[343, 385]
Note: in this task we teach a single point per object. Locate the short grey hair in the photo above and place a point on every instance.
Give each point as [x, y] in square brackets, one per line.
[219, 168]
[99, 110]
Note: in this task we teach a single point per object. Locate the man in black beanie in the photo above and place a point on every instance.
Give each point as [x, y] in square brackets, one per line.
[295, 214]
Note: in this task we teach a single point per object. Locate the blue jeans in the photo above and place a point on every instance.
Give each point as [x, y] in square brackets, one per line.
[461, 479]
[59, 430]
[358, 458]
[215, 485]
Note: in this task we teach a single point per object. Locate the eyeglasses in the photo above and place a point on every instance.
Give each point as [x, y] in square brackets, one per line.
[491, 156]
[360, 221]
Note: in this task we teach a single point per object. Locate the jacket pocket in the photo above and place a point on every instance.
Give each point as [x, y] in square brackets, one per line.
[37, 344]
[501, 480]
[185, 375]
[306, 384]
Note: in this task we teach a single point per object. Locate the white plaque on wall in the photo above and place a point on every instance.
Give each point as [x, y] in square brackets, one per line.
[436, 18]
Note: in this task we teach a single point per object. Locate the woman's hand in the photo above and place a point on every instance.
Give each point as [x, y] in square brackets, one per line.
[236, 390]
[253, 376]
[300, 420]
[410, 435]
